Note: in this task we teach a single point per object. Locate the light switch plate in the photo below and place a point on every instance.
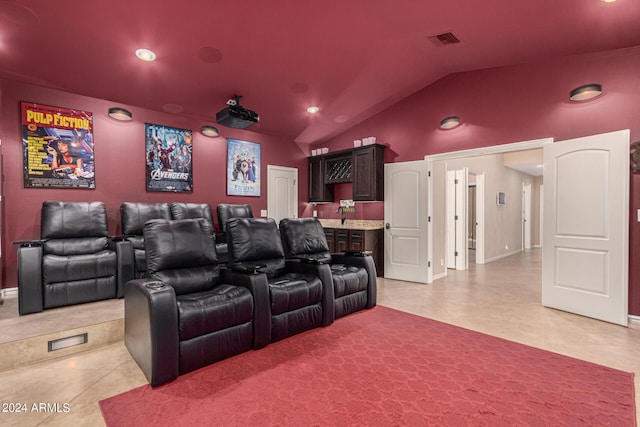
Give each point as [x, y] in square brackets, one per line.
[263, 213]
[315, 214]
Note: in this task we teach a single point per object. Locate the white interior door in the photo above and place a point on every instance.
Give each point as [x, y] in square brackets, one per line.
[405, 217]
[457, 231]
[480, 218]
[282, 192]
[462, 231]
[540, 230]
[586, 208]
[451, 222]
[526, 216]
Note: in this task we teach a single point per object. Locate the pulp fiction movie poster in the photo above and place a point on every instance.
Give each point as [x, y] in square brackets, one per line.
[169, 159]
[57, 147]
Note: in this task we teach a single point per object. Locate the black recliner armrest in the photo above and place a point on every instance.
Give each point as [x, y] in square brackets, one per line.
[259, 288]
[357, 253]
[311, 259]
[28, 243]
[366, 262]
[323, 271]
[247, 268]
[125, 263]
[30, 291]
[151, 329]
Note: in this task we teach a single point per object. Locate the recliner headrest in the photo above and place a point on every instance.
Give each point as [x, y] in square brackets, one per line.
[66, 220]
[133, 216]
[227, 211]
[303, 236]
[192, 211]
[253, 239]
[178, 244]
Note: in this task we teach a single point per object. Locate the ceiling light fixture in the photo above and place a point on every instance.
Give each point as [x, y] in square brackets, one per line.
[585, 92]
[450, 122]
[146, 55]
[313, 109]
[209, 131]
[120, 114]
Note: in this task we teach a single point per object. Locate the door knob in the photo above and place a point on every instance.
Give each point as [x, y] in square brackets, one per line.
[387, 226]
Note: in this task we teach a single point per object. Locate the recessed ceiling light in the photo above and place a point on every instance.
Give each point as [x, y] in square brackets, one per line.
[313, 109]
[209, 131]
[450, 122]
[585, 92]
[146, 55]
[120, 114]
[608, 1]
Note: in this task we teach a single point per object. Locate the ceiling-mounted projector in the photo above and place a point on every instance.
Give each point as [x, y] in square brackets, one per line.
[235, 116]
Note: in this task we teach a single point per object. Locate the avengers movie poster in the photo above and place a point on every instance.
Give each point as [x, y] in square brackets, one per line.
[169, 159]
[57, 147]
[243, 168]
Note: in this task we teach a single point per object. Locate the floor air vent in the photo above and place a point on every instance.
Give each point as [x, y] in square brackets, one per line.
[61, 343]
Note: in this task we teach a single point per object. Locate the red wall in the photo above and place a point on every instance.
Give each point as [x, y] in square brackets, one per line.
[513, 104]
[497, 106]
[120, 165]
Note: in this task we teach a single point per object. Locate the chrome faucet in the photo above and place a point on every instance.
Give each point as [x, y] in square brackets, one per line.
[343, 218]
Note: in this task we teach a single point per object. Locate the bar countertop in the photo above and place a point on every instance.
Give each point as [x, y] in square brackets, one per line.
[353, 224]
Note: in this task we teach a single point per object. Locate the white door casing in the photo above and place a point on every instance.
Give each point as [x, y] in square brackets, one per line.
[282, 192]
[457, 227]
[526, 216]
[450, 222]
[586, 208]
[480, 218]
[461, 223]
[405, 217]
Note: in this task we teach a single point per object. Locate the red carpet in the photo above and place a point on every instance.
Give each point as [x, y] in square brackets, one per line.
[383, 367]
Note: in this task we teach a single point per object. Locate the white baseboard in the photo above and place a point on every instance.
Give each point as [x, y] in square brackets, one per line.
[440, 276]
[9, 291]
[634, 318]
[495, 258]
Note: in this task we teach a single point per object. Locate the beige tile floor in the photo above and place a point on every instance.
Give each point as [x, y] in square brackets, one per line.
[501, 298]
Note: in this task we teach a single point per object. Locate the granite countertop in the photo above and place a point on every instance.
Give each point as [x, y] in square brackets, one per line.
[353, 224]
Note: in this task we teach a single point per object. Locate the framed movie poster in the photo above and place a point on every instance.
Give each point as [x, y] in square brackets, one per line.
[243, 168]
[169, 159]
[57, 147]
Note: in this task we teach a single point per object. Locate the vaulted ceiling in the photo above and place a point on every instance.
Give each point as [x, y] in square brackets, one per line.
[351, 58]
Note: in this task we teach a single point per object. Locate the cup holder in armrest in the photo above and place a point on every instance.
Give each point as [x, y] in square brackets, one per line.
[155, 285]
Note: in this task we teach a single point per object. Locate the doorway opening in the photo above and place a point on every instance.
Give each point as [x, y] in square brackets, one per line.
[475, 237]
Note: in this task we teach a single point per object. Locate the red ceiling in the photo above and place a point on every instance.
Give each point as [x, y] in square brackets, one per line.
[351, 58]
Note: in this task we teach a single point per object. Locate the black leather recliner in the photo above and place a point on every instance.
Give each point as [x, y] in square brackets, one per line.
[301, 293]
[75, 262]
[133, 216]
[227, 211]
[353, 273]
[190, 312]
[199, 210]
[192, 211]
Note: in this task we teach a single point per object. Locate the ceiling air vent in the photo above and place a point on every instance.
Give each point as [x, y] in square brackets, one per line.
[444, 39]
